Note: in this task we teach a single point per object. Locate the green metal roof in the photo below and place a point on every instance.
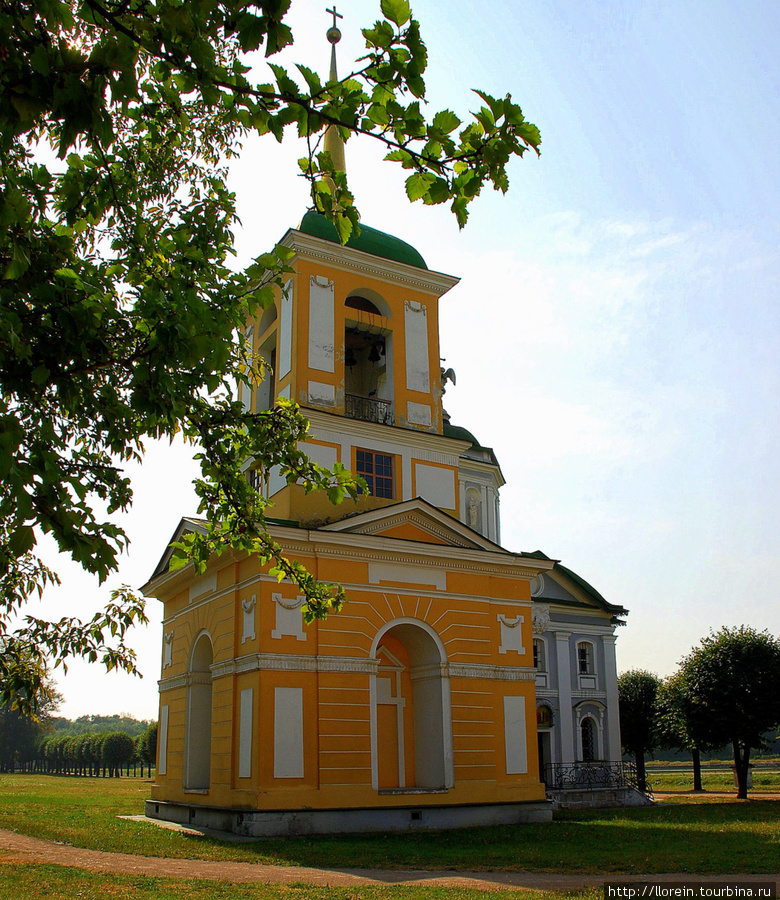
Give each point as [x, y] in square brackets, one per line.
[592, 592]
[617, 611]
[462, 434]
[370, 240]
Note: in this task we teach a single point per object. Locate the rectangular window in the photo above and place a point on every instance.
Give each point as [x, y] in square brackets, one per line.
[585, 659]
[377, 469]
[540, 660]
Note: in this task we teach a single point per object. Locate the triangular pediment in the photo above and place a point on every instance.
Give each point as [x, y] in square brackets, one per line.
[415, 520]
[186, 524]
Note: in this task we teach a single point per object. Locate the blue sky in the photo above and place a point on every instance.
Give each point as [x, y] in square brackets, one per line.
[616, 330]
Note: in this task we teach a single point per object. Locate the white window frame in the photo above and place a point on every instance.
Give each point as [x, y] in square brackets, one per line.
[543, 671]
[587, 679]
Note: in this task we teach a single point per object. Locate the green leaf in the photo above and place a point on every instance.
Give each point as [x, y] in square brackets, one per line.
[446, 121]
[417, 185]
[20, 263]
[40, 375]
[378, 114]
[22, 540]
[397, 11]
[312, 79]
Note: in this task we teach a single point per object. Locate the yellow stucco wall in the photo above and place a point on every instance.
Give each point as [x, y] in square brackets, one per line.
[337, 708]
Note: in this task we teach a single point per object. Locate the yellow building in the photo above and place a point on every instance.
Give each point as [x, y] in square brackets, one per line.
[416, 703]
[459, 677]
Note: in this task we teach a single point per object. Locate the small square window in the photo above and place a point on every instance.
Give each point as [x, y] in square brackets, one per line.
[377, 469]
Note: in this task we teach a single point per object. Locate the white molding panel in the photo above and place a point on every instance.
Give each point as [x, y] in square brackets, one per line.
[515, 740]
[288, 732]
[245, 734]
[321, 324]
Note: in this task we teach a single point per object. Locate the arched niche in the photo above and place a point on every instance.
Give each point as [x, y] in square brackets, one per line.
[197, 767]
[366, 300]
[411, 719]
[266, 319]
[474, 513]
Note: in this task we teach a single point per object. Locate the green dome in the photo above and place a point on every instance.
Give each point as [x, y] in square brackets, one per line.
[461, 434]
[370, 240]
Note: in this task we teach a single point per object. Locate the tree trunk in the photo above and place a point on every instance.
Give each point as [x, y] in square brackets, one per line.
[696, 757]
[641, 775]
[741, 763]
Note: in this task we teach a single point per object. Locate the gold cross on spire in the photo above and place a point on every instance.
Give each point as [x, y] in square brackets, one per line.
[334, 35]
[333, 141]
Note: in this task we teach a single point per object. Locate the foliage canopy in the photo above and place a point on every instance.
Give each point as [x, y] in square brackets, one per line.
[121, 317]
[637, 695]
[730, 691]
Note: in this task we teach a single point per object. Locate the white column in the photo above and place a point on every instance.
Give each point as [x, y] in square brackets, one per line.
[613, 710]
[487, 517]
[562, 653]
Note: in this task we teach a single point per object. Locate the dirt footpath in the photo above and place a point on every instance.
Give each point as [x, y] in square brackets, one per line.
[20, 848]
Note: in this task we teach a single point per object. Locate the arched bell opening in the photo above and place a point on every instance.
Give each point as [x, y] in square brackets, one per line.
[411, 734]
[197, 768]
[368, 358]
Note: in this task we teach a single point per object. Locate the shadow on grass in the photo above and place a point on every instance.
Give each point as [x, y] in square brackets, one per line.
[713, 838]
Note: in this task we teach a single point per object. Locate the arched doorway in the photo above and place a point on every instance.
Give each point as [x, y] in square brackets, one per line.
[588, 735]
[197, 768]
[411, 723]
[544, 724]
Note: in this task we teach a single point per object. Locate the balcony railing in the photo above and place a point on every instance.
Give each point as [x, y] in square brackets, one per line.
[591, 776]
[369, 409]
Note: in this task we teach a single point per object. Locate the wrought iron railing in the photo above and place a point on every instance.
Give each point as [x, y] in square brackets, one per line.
[369, 409]
[592, 776]
[633, 780]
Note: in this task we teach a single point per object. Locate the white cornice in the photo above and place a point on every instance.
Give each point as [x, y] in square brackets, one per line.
[575, 628]
[343, 544]
[283, 662]
[288, 662]
[480, 470]
[341, 427]
[353, 545]
[340, 257]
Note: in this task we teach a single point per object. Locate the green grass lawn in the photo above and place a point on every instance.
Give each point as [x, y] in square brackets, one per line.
[57, 883]
[682, 780]
[712, 837]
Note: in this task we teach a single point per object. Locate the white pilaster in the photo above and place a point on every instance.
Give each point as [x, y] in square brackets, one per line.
[613, 712]
[562, 653]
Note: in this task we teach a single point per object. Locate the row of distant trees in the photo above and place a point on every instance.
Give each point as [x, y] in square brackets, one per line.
[97, 753]
[726, 691]
[89, 723]
[90, 745]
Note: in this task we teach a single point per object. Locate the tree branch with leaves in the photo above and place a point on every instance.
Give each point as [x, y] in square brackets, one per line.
[122, 312]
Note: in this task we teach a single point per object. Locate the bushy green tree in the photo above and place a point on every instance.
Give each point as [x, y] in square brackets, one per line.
[21, 731]
[730, 686]
[121, 318]
[676, 729]
[118, 750]
[147, 747]
[637, 693]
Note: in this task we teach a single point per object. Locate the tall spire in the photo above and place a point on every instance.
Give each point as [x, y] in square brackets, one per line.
[333, 141]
